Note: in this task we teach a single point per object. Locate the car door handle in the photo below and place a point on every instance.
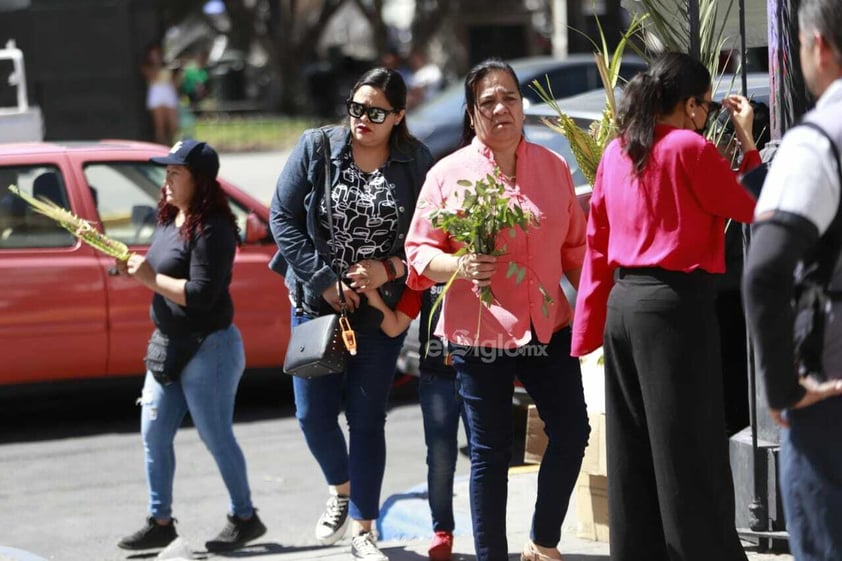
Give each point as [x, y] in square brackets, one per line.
[113, 272]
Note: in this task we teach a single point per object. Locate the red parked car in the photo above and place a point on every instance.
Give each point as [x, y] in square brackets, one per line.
[64, 313]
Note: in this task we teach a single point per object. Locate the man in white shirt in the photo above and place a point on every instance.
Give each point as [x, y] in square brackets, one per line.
[796, 210]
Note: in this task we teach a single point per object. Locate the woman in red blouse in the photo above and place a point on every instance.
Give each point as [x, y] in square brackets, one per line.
[662, 197]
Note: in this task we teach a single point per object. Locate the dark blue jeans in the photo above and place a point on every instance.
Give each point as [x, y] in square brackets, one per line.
[365, 387]
[554, 381]
[441, 408]
[811, 481]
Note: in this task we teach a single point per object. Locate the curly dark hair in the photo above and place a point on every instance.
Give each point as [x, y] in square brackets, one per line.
[208, 199]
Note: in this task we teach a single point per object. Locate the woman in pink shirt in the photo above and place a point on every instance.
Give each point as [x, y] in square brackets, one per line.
[660, 203]
[519, 334]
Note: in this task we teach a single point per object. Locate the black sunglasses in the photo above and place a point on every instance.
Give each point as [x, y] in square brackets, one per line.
[375, 114]
[713, 108]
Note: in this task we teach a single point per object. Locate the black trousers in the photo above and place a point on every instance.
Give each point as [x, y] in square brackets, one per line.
[670, 490]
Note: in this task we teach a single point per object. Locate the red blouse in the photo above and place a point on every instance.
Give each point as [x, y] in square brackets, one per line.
[672, 216]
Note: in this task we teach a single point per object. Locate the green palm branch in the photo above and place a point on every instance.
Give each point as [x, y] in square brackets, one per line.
[588, 146]
[669, 24]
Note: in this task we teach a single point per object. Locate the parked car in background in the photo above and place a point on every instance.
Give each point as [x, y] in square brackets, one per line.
[438, 122]
[65, 314]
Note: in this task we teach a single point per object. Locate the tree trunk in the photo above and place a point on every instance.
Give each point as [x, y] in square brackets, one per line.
[429, 16]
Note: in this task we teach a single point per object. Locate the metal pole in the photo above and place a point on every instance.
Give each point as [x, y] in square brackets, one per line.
[758, 508]
[695, 28]
[743, 54]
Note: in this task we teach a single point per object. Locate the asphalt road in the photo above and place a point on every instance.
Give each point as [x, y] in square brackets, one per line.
[72, 480]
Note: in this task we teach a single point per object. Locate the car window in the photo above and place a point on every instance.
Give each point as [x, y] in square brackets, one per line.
[126, 195]
[20, 225]
[126, 198]
[565, 81]
[450, 101]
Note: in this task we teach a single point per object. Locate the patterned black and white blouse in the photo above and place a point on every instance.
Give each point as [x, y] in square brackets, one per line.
[365, 214]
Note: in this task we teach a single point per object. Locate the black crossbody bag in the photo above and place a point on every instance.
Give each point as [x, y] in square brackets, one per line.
[167, 356]
[315, 346]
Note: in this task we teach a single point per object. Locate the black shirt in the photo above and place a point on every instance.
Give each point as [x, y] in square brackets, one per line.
[206, 262]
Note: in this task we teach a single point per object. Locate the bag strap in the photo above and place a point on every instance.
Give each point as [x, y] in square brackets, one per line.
[329, 207]
[828, 246]
[299, 291]
[812, 281]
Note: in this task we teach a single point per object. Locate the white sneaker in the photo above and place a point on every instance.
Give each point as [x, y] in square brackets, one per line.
[333, 523]
[364, 546]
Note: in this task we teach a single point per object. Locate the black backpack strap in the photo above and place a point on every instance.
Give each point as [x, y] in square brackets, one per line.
[828, 247]
[812, 280]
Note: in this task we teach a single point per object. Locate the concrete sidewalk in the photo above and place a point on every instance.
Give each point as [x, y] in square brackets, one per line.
[405, 526]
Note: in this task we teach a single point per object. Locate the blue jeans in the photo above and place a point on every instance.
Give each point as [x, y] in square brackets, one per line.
[206, 388]
[554, 381]
[441, 408]
[365, 386]
[811, 481]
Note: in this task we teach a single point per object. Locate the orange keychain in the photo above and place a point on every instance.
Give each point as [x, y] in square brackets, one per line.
[348, 336]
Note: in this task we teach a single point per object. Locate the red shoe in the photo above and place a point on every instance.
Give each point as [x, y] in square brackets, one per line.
[441, 546]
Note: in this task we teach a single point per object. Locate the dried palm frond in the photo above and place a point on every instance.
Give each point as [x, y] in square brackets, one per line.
[79, 227]
[588, 146]
[669, 25]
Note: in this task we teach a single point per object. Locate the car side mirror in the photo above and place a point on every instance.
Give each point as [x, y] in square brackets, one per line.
[256, 229]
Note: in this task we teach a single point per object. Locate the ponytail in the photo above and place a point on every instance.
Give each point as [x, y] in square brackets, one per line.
[672, 78]
[640, 107]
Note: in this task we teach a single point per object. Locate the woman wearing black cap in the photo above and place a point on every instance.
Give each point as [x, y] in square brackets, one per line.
[195, 358]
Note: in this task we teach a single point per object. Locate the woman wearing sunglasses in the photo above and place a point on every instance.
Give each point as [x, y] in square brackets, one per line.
[660, 203]
[376, 172]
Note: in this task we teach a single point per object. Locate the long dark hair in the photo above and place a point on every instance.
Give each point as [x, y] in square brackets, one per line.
[208, 199]
[671, 79]
[476, 74]
[391, 83]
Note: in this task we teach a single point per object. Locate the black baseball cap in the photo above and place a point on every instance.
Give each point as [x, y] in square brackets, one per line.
[198, 156]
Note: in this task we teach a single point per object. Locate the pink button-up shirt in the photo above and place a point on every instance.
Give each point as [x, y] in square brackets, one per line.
[547, 249]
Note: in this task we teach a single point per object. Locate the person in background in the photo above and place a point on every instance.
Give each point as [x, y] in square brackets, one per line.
[519, 333]
[441, 407]
[394, 60]
[186, 118]
[195, 82]
[377, 169]
[800, 197]
[656, 228]
[161, 96]
[729, 300]
[188, 269]
[426, 81]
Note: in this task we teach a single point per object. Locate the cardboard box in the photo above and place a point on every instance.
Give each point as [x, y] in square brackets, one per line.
[592, 507]
[536, 438]
[595, 461]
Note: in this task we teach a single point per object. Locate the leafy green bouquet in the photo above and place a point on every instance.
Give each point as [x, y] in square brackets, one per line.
[483, 213]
